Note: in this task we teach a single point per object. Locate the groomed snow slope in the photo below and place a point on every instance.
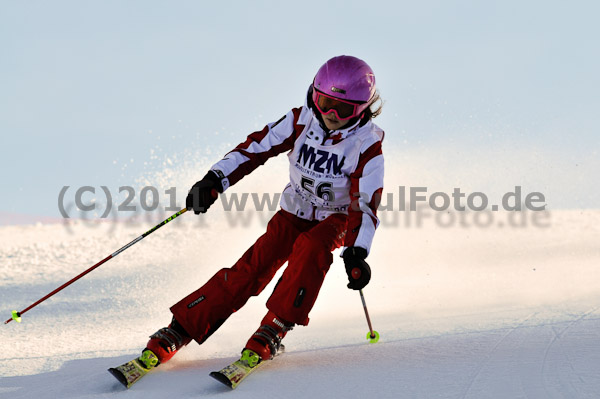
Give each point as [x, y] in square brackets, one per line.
[495, 312]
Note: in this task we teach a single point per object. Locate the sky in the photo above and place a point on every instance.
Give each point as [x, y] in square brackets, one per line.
[478, 94]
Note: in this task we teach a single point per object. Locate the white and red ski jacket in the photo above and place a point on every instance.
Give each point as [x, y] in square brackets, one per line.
[337, 173]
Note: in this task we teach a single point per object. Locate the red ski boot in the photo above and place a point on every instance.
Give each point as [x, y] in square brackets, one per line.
[167, 341]
[266, 341]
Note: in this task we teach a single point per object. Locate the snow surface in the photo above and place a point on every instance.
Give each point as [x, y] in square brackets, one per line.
[495, 312]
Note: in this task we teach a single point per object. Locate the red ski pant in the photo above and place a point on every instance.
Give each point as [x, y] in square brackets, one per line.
[305, 245]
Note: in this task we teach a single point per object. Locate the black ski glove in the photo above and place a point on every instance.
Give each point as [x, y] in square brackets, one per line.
[358, 271]
[204, 193]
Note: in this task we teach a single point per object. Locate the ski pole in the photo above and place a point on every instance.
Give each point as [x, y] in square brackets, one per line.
[372, 335]
[16, 316]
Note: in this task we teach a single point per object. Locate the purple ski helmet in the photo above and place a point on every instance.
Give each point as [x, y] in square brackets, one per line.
[346, 78]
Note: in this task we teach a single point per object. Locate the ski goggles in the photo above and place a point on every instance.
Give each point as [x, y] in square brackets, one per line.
[343, 109]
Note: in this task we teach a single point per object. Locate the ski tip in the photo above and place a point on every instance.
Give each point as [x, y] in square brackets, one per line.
[119, 376]
[221, 378]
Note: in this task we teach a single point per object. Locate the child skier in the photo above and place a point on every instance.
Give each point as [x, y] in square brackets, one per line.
[336, 179]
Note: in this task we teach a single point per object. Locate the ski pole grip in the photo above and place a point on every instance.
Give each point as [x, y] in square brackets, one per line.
[356, 273]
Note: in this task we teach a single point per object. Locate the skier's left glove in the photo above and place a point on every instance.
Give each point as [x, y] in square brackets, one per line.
[359, 272]
[204, 193]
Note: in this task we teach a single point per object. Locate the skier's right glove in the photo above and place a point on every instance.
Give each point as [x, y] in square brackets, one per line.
[204, 193]
[358, 271]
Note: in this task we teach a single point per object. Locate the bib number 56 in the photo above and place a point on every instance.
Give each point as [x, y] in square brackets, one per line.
[323, 190]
